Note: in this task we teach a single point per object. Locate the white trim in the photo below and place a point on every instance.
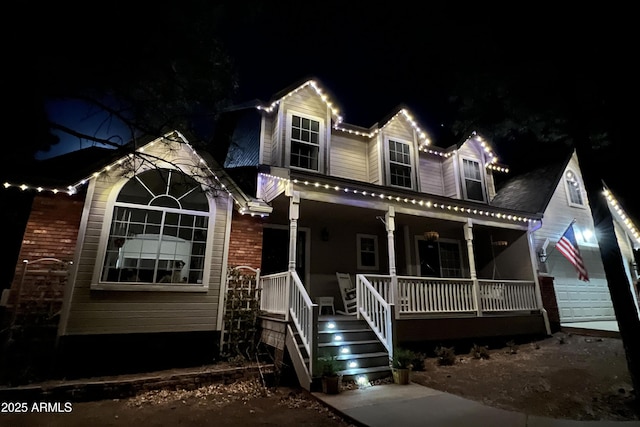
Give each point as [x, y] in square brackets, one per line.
[376, 251]
[67, 296]
[581, 191]
[483, 178]
[321, 141]
[225, 261]
[96, 281]
[387, 162]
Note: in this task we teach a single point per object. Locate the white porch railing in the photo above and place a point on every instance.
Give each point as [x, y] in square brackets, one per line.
[284, 293]
[507, 295]
[375, 310]
[301, 311]
[275, 293]
[430, 295]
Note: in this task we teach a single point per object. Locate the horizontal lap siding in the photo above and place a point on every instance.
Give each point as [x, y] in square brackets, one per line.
[430, 173]
[267, 134]
[577, 300]
[348, 158]
[374, 161]
[98, 311]
[449, 178]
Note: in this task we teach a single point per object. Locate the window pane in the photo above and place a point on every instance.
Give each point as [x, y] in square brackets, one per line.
[154, 248]
[474, 190]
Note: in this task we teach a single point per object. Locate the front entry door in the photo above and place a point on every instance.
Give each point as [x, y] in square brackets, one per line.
[275, 251]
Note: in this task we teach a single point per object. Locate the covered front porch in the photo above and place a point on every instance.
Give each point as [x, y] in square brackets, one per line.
[422, 269]
[397, 310]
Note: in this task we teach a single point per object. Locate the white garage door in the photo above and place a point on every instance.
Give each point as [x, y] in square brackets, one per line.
[580, 301]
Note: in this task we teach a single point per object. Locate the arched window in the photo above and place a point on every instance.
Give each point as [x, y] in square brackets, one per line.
[158, 231]
[574, 189]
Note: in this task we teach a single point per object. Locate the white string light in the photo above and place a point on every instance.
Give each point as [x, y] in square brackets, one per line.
[408, 200]
[630, 226]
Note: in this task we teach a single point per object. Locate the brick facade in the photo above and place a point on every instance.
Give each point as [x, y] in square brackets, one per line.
[51, 231]
[549, 301]
[245, 245]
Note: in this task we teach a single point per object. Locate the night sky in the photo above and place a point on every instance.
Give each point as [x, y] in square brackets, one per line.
[373, 57]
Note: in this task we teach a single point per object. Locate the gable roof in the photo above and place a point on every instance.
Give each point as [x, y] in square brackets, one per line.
[73, 170]
[531, 191]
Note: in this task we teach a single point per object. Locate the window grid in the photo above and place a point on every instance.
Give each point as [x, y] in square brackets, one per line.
[573, 187]
[151, 242]
[305, 143]
[400, 164]
[472, 179]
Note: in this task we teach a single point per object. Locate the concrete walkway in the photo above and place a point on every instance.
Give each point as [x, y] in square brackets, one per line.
[415, 405]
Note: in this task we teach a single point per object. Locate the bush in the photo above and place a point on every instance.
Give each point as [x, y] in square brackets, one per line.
[513, 347]
[418, 362]
[446, 355]
[480, 352]
[403, 358]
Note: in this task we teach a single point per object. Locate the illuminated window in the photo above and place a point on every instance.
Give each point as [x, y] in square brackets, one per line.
[473, 188]
[305, 143]
[400, 164]
[158, 232]
[574, 189]
[367, 251]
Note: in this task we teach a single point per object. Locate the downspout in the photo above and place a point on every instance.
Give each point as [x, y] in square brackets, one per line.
[538, 293]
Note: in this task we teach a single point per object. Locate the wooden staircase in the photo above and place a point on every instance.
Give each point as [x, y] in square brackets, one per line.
[354, 345]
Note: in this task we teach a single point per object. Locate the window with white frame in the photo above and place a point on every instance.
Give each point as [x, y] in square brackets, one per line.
[574, 189]
[400, 164]
[305, 143]
[472, 174]
[367, 251]
[158, 232]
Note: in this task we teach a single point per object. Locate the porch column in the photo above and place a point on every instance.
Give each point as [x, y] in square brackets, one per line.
[390, 226]
[536, 282]
[468, 236]
[294, 213]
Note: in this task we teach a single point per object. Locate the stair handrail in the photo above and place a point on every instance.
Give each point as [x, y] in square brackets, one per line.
[376, 311]
[304, 314]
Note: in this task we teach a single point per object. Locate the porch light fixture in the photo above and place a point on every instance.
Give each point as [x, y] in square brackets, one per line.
[542, 256]
[431, 236]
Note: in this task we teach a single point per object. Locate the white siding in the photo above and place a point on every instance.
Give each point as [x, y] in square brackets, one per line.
[431, 180]
[100, 311]
[267, 134]
[449, 178]
[577, 300]
[349, 157]
[374, 161]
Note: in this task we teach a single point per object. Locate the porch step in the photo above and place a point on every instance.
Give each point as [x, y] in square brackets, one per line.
[372, 373]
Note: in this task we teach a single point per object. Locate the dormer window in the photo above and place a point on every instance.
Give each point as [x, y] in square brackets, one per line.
[305, 143]
[574, 189]
[400, 170]
[472, 175]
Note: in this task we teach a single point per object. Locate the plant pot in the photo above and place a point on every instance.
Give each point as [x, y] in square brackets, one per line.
[401, 376]
[331, 385]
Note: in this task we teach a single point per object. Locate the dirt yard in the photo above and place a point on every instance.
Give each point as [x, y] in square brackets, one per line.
[564, 376]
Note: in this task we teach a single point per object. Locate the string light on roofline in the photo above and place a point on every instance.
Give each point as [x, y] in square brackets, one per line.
[73, 188]
[631, 228]
[408, 200]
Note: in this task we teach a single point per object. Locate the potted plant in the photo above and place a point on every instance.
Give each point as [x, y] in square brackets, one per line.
[401, 364]
[330, 375]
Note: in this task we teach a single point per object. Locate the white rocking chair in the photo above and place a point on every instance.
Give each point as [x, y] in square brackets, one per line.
[348, 292]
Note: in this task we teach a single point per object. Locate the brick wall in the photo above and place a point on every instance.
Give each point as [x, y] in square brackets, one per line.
[549, 301]
[51, 231]
[245, 246]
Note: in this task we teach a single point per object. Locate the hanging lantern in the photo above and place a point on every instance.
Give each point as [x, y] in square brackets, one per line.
[431, 236]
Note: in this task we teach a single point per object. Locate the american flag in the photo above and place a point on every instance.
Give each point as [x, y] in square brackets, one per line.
[568, 246]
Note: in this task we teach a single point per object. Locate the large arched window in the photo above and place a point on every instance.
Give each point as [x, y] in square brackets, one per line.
[158, 231]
